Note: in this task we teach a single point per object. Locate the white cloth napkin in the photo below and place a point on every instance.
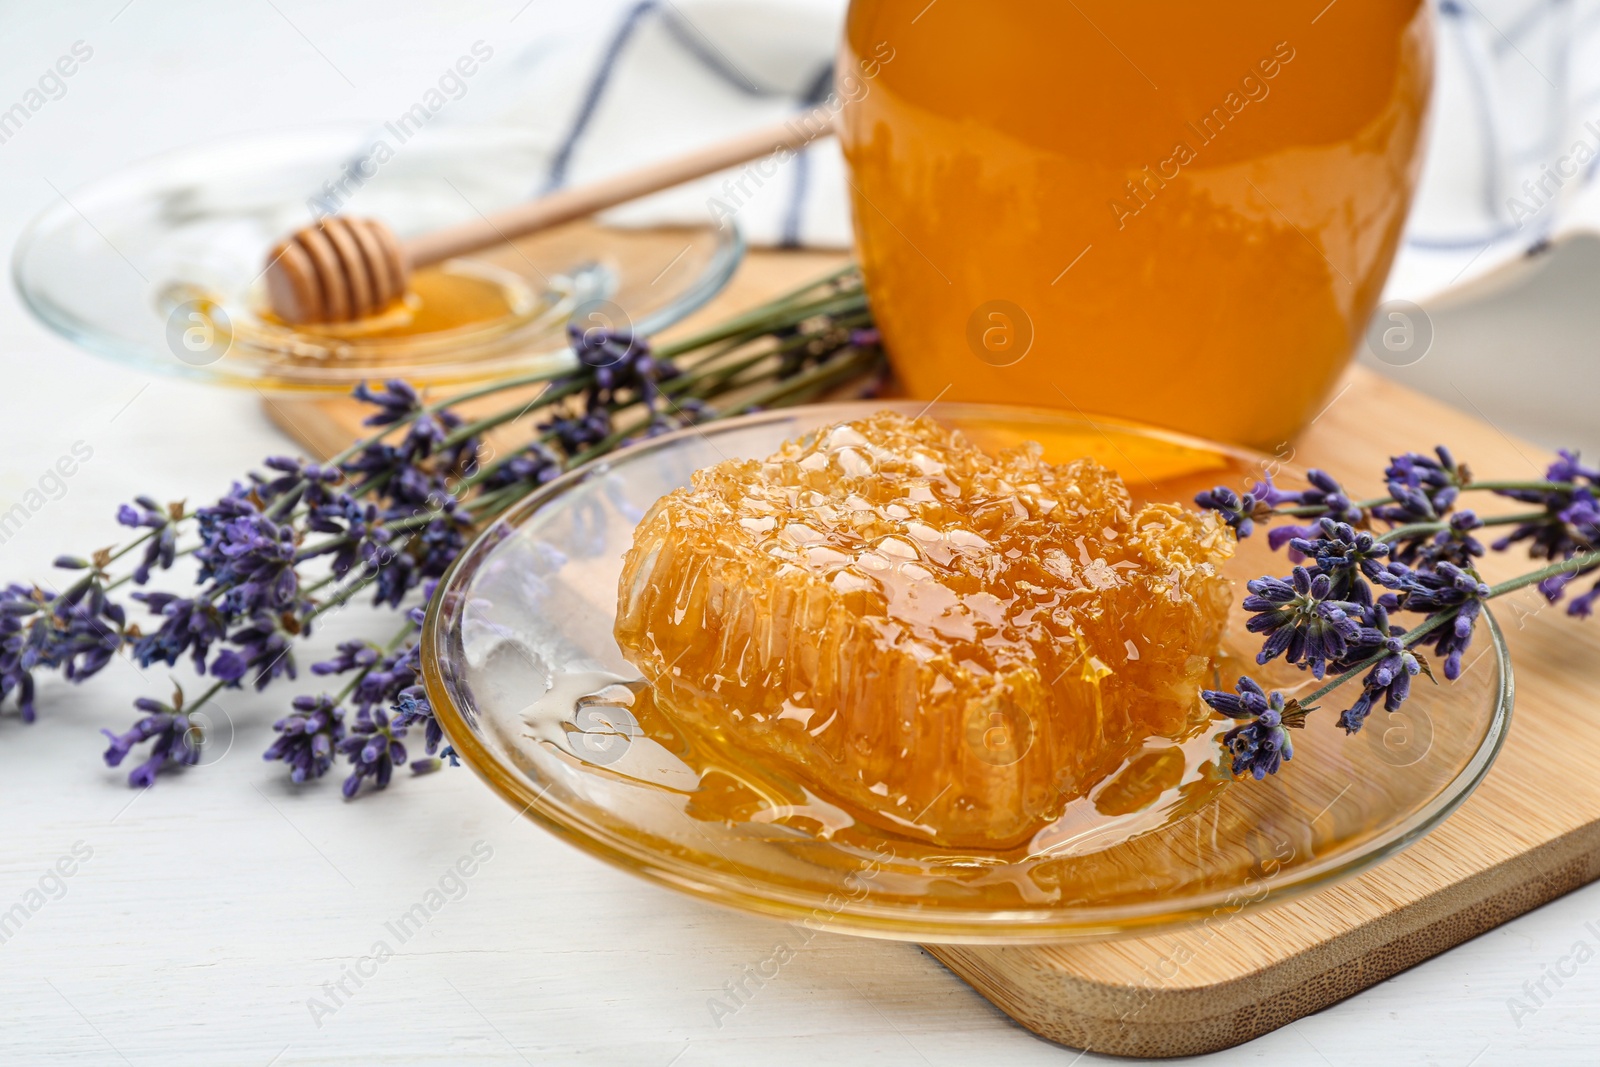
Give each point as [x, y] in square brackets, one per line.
[662, 76]
[1517, 106]
[1515, 141]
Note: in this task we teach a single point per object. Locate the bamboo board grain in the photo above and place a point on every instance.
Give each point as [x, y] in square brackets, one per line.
[1525, 837]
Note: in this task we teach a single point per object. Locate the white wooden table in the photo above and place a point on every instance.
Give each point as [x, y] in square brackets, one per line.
[202, 917]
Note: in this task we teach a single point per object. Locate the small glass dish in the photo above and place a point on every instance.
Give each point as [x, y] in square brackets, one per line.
[159, 266]
[533, 693]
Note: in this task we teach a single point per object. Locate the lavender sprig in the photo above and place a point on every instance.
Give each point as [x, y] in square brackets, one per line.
[297, 540]
[1326, 618]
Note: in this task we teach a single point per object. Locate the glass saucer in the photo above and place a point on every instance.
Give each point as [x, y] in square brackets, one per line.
[140, 265]
[534, 694]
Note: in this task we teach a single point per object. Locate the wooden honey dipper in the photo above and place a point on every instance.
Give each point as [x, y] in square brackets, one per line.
[342, 268]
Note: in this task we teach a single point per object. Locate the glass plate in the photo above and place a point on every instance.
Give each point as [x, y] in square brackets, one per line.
[533, 692]
[118, 267]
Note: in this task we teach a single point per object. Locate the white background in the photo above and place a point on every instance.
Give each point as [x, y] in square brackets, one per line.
[215, 904]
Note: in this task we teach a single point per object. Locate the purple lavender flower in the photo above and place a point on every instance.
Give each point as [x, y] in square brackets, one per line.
[78, 632]
[19, 608]
[384, 468]
[414, 473]
[1425, 492]
[1351, 719]
[1580, 526]
[1561, 533]
[373, 747]
[80, 638]
[350, 656]
[396, 575]
[261, 573]
[261, 646]
[578, 433]
[1260, 743]
[1445, 588]
[297, 481]
[1301, 620]
[1582, 606]
[439, 542]
[161, 549]
[351, 525]
[1325, 493]
[1389, 678]
[1269, 494]
[1342, 553]
[615, 356]
[177, 742]
[187, 625]
[1431, 473]
[307, 737]
[1455, 544]
[620, 369]
[384, 675]
[411, 708]
[1413, 505]
[1567, 468]
[1236, 511]
[1571, 525]
[249, 557]
[534, 465]
[395, 400]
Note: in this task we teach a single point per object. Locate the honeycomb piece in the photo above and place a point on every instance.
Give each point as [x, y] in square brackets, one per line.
[949, 645]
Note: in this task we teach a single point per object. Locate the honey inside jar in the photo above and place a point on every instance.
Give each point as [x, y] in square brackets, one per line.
[941, 644]
[1181, 213]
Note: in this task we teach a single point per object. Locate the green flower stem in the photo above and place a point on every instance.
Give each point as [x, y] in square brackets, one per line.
[135, 543]
[1409, 638]
[788, 308]
[210, 692]
[1303, 510]
[343, 595]
[1417, 529]
[810, 381]
[499, 499]
[487, 470]
[126, 578]
[1536, 486]
[321, 583]
[498, 386]
[511, 414]
[831, 306]
[500, 505]
[1577, 563]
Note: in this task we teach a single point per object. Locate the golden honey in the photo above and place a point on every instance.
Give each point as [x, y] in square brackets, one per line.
[452, 296]
[947, 645]
[1178, 212]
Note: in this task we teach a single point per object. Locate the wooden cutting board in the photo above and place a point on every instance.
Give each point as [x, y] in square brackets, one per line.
[1526, 836]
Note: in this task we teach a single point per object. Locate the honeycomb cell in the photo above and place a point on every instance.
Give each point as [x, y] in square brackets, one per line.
[949, 645]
